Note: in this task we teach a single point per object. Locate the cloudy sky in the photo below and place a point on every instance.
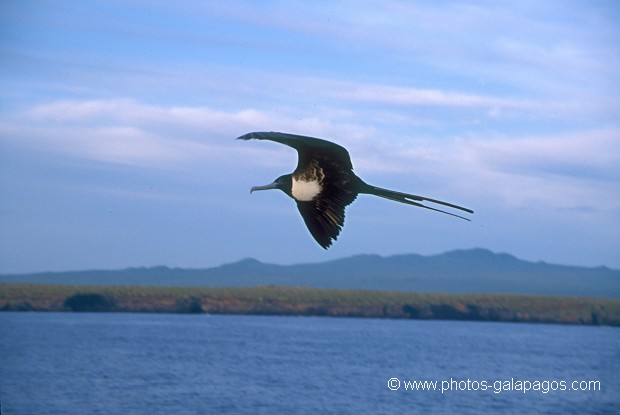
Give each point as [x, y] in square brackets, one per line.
[118, 119]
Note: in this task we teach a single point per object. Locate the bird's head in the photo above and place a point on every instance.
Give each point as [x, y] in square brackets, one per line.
[283, 183]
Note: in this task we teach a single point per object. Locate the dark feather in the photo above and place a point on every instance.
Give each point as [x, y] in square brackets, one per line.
[324, 216]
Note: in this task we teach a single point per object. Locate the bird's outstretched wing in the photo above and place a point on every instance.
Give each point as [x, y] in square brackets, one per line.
[308, 148]
[324, 216]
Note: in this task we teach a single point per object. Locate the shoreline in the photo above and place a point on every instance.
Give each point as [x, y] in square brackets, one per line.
[303, 301]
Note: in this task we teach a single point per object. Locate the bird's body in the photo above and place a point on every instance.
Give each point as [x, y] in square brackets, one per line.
[323, 184]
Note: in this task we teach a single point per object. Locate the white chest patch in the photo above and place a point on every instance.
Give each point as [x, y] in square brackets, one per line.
[305, 191]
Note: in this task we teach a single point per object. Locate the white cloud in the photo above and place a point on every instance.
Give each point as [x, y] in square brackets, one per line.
[557, 170]
[129, 132]
[561, 171]
[593, 154]
[579, 170]
[416, 96]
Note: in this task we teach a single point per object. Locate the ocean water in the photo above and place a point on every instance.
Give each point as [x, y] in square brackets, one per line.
[113, 363]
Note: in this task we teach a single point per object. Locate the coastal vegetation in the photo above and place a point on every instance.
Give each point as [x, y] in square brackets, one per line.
[300, 301]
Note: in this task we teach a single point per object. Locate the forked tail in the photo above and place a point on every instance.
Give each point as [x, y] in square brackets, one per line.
[414, 199]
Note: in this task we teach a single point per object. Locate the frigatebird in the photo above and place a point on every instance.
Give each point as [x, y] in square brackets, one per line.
[323, 184]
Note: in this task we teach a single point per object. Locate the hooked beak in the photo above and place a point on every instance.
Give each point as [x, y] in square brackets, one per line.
[273, 185]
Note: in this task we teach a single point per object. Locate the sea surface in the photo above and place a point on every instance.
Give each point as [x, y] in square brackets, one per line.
[115, 363]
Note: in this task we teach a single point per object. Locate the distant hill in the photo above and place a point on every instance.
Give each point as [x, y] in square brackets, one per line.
[462, 271]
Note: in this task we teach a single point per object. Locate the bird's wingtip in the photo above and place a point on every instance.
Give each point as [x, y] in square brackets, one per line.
[260, 135]
[244, 136]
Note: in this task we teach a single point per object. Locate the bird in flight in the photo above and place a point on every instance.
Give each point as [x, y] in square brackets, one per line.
[323, 184]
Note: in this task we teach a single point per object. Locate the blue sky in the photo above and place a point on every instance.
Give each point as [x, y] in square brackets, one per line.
[118, 119]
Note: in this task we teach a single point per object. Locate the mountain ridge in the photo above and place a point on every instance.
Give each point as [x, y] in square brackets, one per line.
[460, 271]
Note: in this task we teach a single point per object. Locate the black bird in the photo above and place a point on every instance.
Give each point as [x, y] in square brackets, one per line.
[323, 184]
